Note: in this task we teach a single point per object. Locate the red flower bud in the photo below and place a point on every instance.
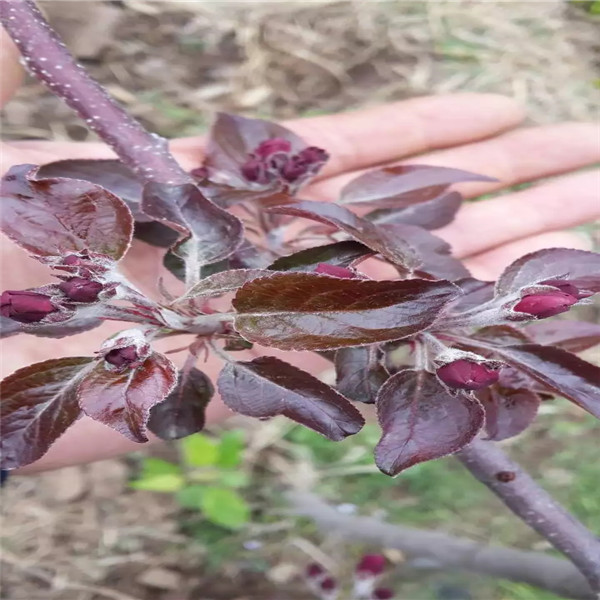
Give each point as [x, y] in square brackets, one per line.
[328, 584]
[313, 155]
[72, 260]
[370, 565]
[122, 357]
[25, 307]
[545, 304]
[254, 170]
[464, 374]
[314, 570]
[383, 594]
[80, 289]
[334, 270]
[294, 169]
[272, 146]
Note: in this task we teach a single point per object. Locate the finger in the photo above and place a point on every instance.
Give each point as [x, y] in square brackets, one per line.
[559, 204]
[488, 265]
[512, 158]
[370, 136]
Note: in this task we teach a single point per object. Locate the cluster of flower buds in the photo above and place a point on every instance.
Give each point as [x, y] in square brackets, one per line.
[127, 351]
[80, 285]
[272, 160]
[366, 574]
[547, 303]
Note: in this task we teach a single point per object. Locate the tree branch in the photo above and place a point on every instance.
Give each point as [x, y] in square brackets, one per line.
[48, 59]
[490, 465]
[444, 551]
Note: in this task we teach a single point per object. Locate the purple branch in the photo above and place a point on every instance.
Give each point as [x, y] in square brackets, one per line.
[488, 463]
[47, 58]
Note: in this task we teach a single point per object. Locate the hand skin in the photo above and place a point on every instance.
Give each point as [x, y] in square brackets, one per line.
[477, 132]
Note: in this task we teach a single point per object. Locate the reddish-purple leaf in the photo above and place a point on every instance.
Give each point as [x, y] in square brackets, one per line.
[431, 214]
[403, 185]
[111, 174]
[433, 252]
[226, 196]
[51, 217]
[181, 413]
[39, 403]
[360, 373]
[475, 293]
[420, 421]
[155, 234]
[508, 412]
[122, 400]
[267, 386]
[211, 233]
[222, 283]
[306, 311]
[573, 336]
[560, 371]
[577, 266]
[502, 335]
[61, 329]
[232, 138]
[380, 239]
[338, 254]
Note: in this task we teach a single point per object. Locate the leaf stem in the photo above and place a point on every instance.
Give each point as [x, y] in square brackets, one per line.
[531, 503]
[48, 59]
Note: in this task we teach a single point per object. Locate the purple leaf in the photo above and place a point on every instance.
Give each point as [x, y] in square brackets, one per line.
[360, 373]
[267, 386]
[72, 326]
[233, 138]
[475, 293]
[421, 421]
[508, 412]
[502, 335]
[211, 234]
[404, 185]
[379, 239]
[305, 311]
[226, 196]
[50, 217]
[222, 283]
[576, 266]
[39, 403]
[431, 214]
[181, 413]
[155, 234]
[110, 174]
[338, 254]
[573, 336]
[433, 252]
[123, 399]
[560, 371]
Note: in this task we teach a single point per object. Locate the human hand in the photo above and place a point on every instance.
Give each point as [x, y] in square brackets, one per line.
[464, 131]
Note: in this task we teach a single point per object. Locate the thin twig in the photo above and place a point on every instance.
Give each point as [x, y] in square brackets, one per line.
[516, 488]
[439, 550]
[48, 59]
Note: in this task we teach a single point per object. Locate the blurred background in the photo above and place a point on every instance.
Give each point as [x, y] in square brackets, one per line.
[136, 528]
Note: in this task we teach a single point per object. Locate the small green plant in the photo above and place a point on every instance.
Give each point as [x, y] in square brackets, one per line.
[206, 480]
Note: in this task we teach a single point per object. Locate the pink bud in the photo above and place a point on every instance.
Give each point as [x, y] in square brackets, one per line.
[383, 594]
[334, 270]
[254, 170]
[370, 565]
[545, 304]
[25, 307]
[464, 374]
[122, 357]
[313, 155]
[72, 260]
[568, 288]
[272, 146]
[80, 289]
[314, 570]
[199, 173]
[294, 169]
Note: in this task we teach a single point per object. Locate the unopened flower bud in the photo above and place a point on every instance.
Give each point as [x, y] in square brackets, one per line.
[370, 565]
[328, 584]
[254, 170]
[122, 357]
[80, 289]
[25, 307]
[545, 304]
[465, 374]
[272, 146]
[313, 155]
[294, 169]
[383, 594]
[314, 570]
[334, 270]
[72, 260]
